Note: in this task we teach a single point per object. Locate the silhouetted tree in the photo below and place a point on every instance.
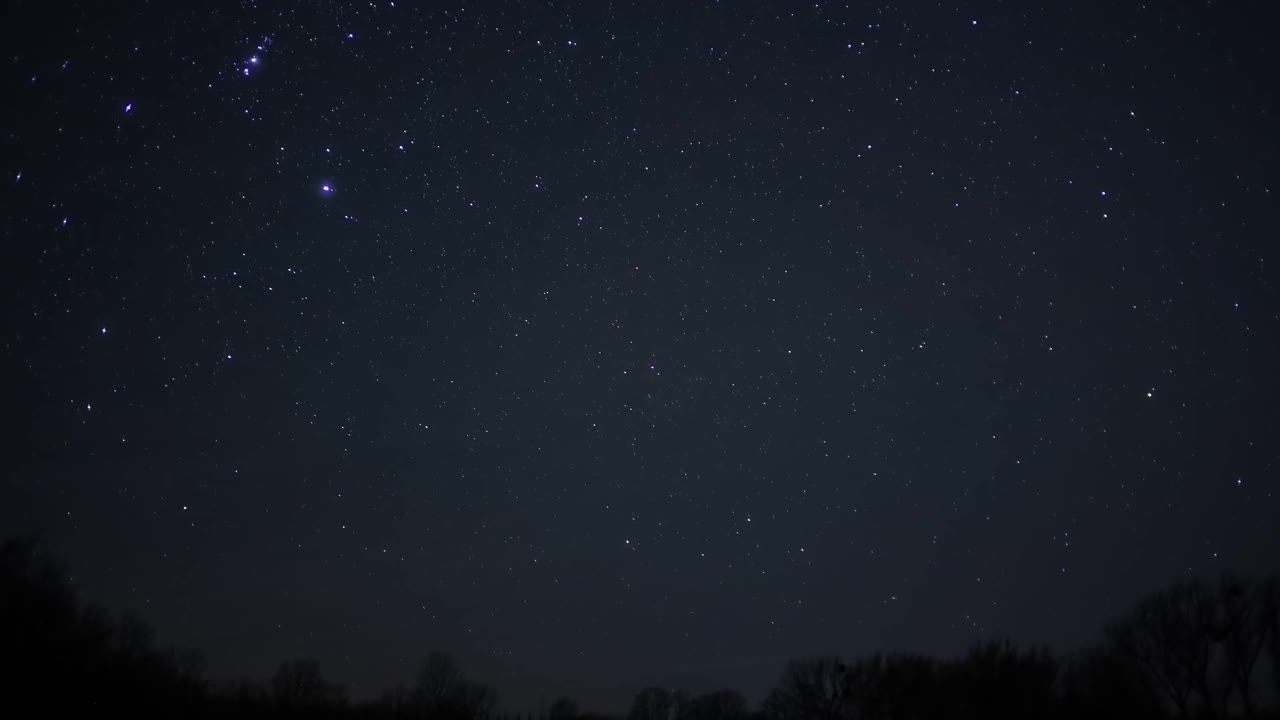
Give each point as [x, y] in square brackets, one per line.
[813, 689]
[133, 637]
[563, 709]
[1269, 597]
[64, 660]
[299, 685]
[899, 687]
[438, 679]
[1242, 632]
[243, 697]
[444, 693]
[654, 703]
[396, 701]
[996, 680]
[717, 705]
[1102, 684]
[1196, 648]
[1170, 637]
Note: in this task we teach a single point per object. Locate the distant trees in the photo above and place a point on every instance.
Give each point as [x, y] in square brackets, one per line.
[443, 692]
[563, 709]
[1168, 637]
[893, 686]
[996, 680]
[657, 703]
[1269, 595]
[1194, 650]
[718, 705]
[654, 703]
[1241, 630]
[298, 685]
[993, 681]
[63, 659]
[1100, 683]
[1198, 645]
[815, 689]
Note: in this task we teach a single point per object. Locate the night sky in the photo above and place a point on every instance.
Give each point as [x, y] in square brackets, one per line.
[607, 346]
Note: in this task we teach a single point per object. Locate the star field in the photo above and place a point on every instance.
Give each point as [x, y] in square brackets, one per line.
[608, 346]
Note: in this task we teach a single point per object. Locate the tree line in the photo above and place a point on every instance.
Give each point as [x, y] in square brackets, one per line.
[1198, 649]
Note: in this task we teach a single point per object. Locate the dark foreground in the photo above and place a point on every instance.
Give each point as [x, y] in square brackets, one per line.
[1196, 650]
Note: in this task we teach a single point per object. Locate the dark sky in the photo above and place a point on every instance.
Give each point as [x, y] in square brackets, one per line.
[608, 345]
